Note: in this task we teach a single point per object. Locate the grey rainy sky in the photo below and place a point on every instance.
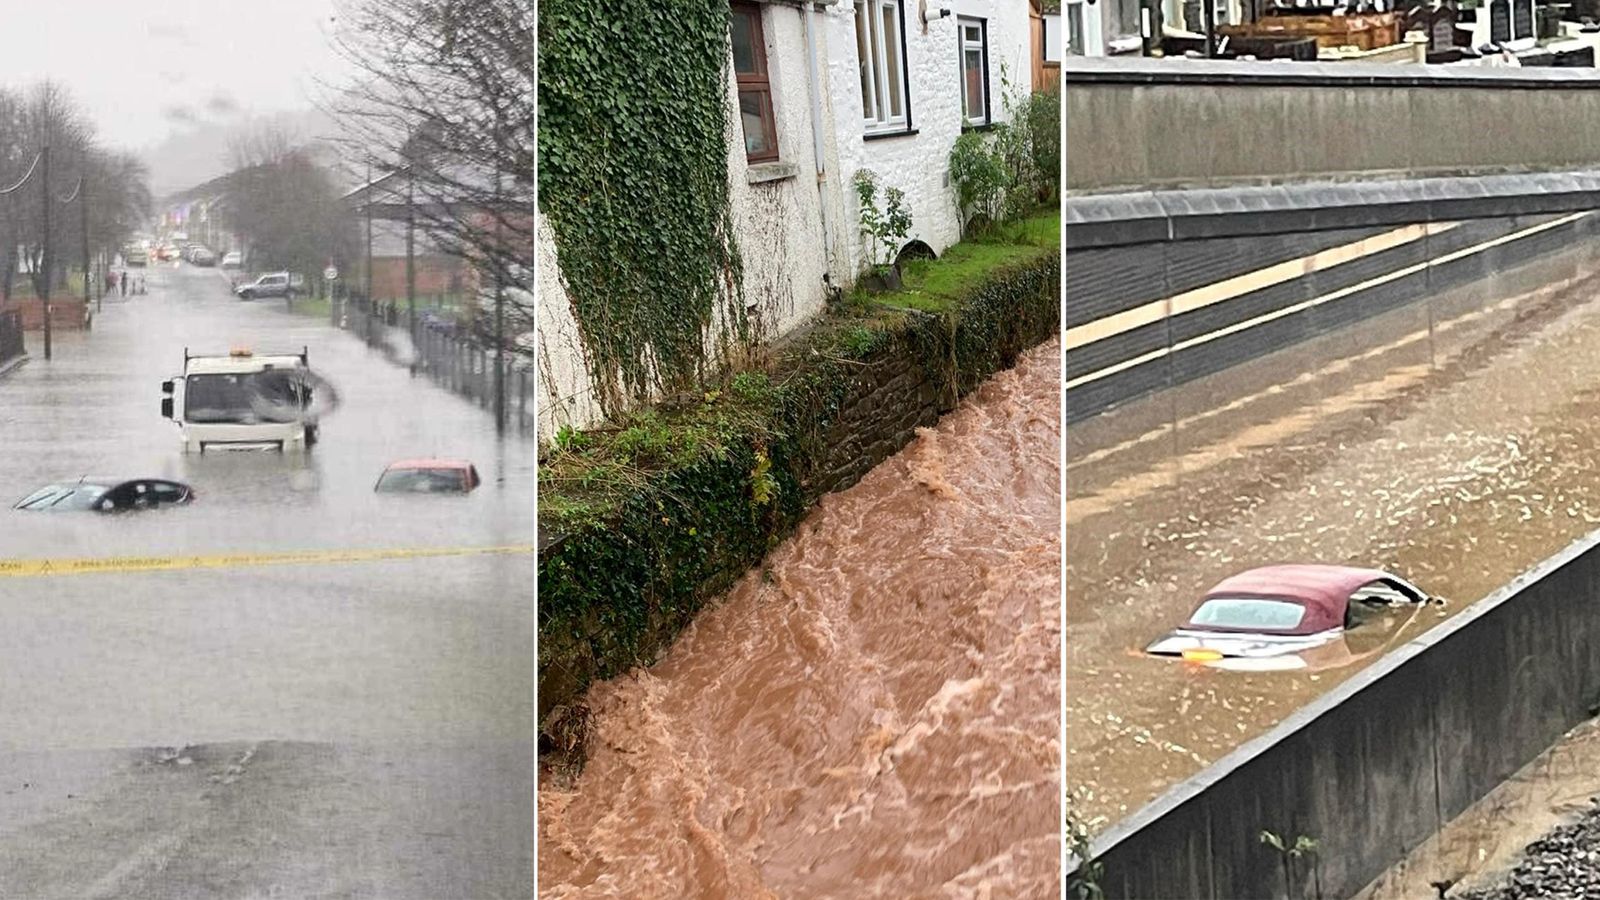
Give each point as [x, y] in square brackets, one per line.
[142, 70]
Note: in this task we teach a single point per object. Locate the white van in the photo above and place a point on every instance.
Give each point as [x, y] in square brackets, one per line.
[242, 401]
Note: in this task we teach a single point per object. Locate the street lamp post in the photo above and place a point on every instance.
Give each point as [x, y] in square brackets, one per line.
[45, 202]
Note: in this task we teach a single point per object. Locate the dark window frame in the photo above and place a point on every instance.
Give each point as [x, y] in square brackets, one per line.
[961, 57]
[872, 132]
[758, 82]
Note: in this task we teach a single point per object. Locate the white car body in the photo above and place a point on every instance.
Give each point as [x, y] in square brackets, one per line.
[245, 434]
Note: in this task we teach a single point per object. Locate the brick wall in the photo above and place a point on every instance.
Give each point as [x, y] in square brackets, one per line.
[435, 275]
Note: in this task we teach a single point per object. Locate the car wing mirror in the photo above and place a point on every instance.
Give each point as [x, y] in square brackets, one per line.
[166, 407]
[166, 386]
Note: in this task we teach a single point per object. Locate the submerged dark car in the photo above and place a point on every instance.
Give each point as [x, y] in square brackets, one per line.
[107, 495]
[1290, 617]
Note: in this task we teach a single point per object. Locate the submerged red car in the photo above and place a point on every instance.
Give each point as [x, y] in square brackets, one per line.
[429, 476]
[1288, 617]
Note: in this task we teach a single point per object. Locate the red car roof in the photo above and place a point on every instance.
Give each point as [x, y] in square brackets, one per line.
[430, 464]
[1324, 591]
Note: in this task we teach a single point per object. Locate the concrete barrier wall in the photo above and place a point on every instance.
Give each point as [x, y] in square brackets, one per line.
[1383, 761]
[1180, 123]
[1141, 318]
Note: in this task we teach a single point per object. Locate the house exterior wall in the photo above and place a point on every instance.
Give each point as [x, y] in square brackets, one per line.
[565, 395]
[778, 209]
[779, 223]
[918, 163]
[795, 221]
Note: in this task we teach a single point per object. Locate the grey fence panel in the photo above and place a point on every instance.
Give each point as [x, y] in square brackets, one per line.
[455, 363]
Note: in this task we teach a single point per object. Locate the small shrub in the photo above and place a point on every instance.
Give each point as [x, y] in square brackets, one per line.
[762, 484]
[1041, 115]
[885, 229]
[570, 440]
[860, 341]
[752, 386]
[978, 178]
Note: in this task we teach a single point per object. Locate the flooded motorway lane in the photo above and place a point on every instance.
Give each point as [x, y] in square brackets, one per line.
[873, 713]
[234, 713]
[1456, 447]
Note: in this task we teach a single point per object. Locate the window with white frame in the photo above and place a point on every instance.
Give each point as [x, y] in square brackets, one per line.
[974, 34]
[1052, 33]
[880, 47]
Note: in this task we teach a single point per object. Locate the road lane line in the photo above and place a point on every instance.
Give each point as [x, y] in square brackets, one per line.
[1238, 285]
[34, 568]
[1339, 294]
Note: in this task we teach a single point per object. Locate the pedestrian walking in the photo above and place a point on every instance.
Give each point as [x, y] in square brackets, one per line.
[141, 284]
[122, 279]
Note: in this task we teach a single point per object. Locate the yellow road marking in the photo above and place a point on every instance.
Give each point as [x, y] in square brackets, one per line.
[1238, 285]
[29, 568]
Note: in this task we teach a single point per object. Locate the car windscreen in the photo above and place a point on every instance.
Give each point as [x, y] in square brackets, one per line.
[245, 398]
[423, 481]
[1248, 614]
[64, 496]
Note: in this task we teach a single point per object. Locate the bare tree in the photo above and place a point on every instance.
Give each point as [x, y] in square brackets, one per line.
[447, 100]
[113, 187]
[259, 144]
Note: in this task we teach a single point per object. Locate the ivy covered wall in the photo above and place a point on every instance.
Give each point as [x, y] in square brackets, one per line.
[633, 183]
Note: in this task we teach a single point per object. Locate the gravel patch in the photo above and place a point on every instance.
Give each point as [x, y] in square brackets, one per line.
[1563, 863]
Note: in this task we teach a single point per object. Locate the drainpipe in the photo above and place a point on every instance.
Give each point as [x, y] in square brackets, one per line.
[816, 137]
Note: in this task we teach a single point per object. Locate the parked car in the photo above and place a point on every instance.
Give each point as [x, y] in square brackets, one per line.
[1289, 617]
[108, 495]
[428, 476]
[200, 256]
[233, 259]
[168, 253]
[273, 284]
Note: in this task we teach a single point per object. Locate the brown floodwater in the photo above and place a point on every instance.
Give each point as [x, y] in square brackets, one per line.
[875, 712]
[1456, 443]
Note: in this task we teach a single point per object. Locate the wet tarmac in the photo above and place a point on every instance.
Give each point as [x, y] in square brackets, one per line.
[1453, 442]
[873, 713]
[409, 660]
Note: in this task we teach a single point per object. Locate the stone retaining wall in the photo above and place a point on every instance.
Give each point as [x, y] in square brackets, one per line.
[616, 587]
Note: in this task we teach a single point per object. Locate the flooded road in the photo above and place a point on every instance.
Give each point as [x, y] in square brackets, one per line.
[310, 698]
[873, 713]
[1456, 443]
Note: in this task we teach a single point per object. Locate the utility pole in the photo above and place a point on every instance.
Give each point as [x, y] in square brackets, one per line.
[45, 262]
[369, 236]
[499, 309]
[411, 260]
[83, 222]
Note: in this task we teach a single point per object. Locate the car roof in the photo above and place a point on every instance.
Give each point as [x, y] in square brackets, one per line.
[234, 365]
[429, 463]
[1323, 590]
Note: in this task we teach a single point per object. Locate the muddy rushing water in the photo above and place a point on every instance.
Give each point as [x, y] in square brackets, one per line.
[1457, 450]
[875, 713]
